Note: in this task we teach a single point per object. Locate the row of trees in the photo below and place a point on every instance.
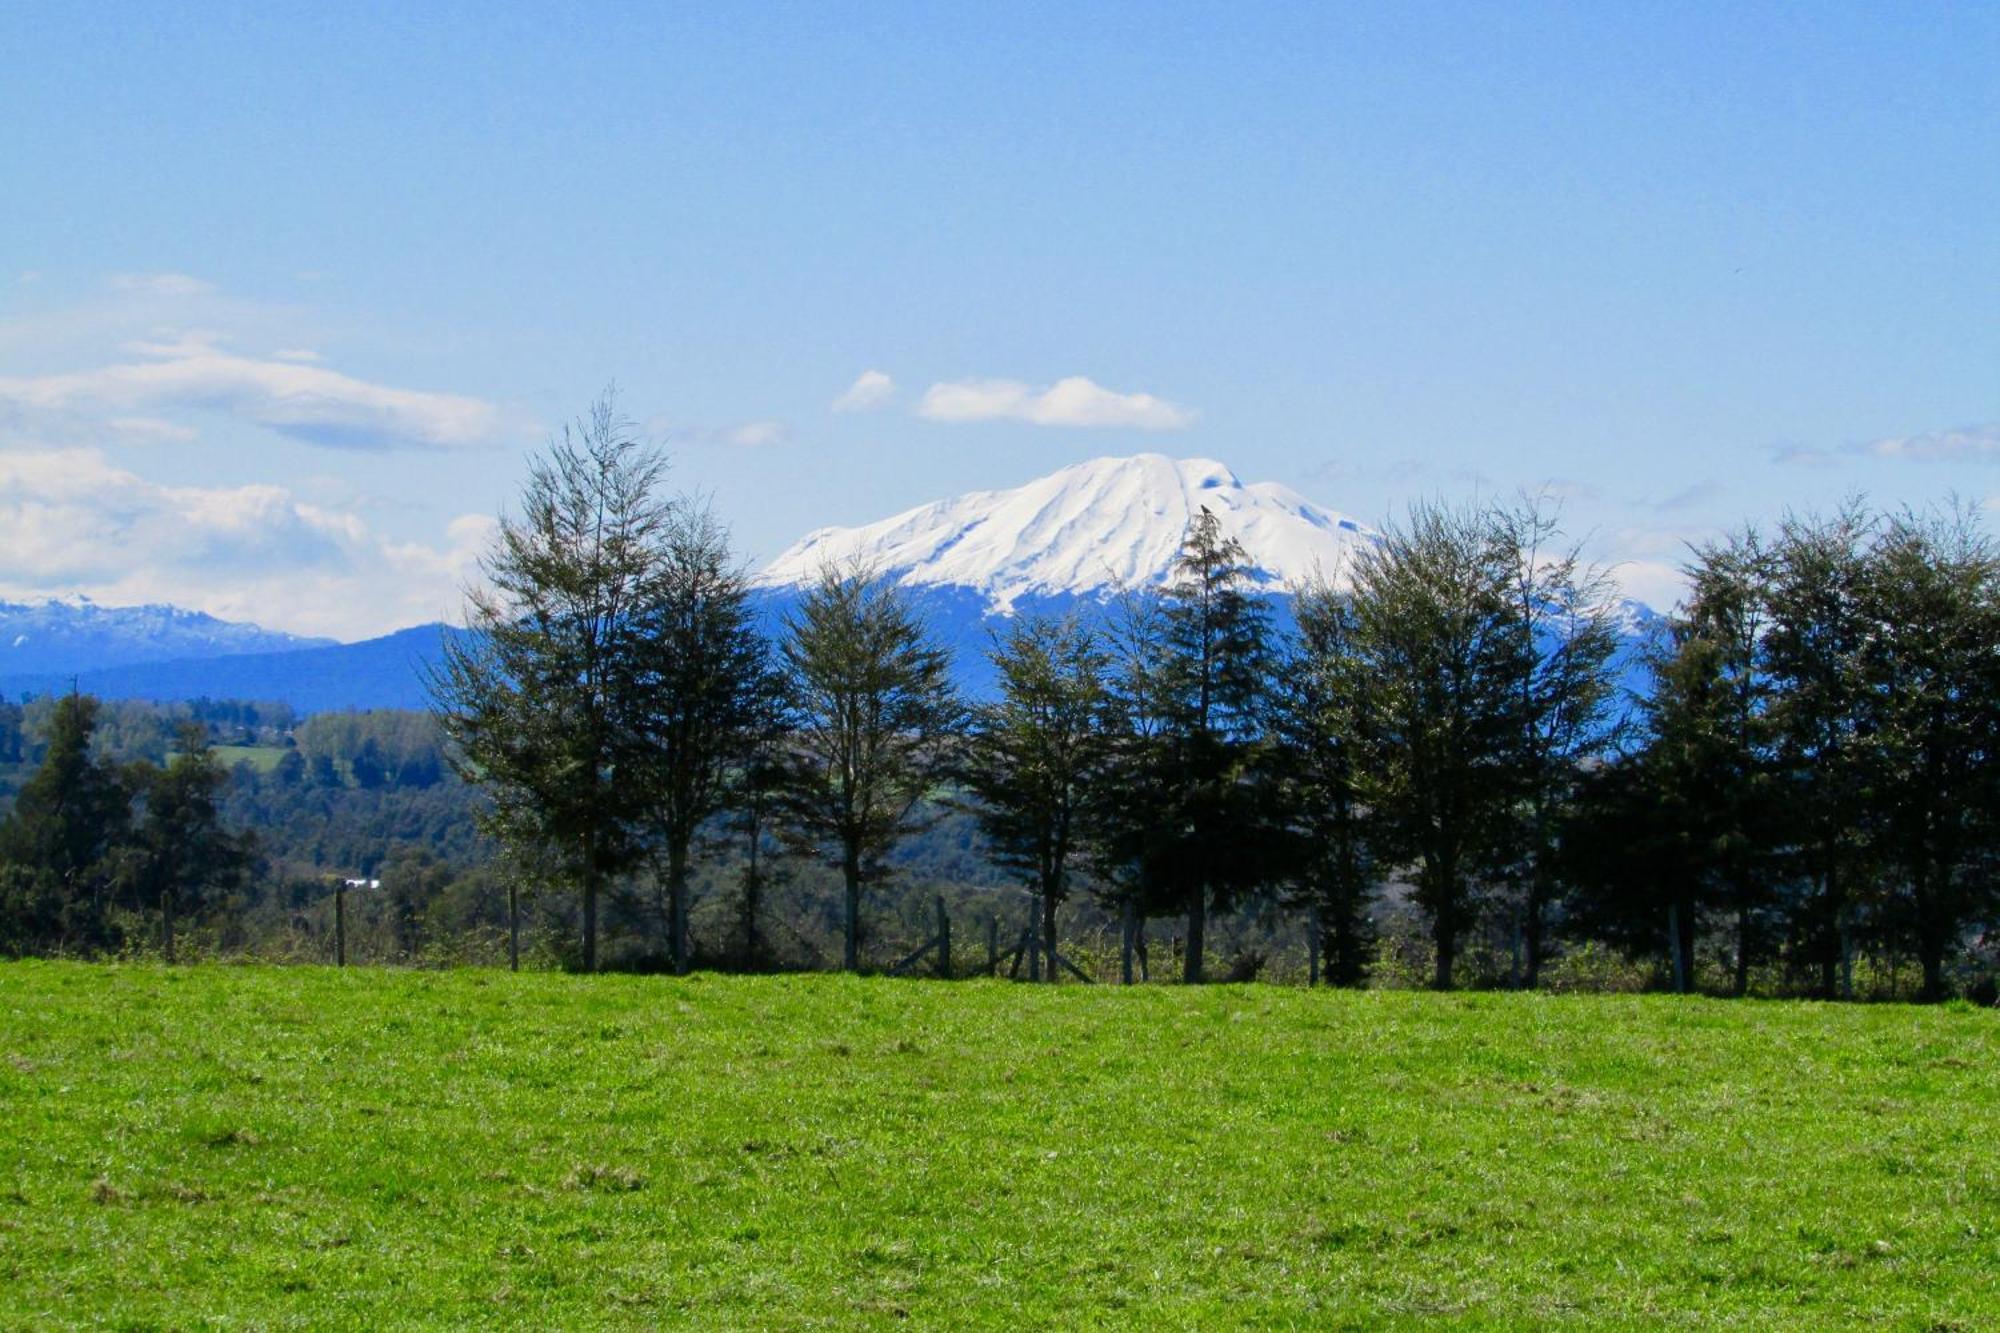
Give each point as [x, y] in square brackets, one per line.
[1809, 775]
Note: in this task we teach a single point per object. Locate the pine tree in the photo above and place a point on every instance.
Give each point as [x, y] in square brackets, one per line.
[1812, 652]
[1037, 752]
[545, 701]
[1567, 699]
[1436, 627]
[876, 720]
[1195, 819]
[183, 859]
[1931, 599]
[710, 693]
[1324, 730]
[57, 844]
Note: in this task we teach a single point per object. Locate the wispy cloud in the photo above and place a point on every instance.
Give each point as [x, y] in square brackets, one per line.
[1801, 455]
[1689, 497]
[757, 434]
[158, 284]
[871, 389]
[73, 522]
[306, 402]
[1075, 401]
[1967, 442]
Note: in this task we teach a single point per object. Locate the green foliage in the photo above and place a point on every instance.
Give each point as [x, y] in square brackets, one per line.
[545, 704]
[1191, 815]
[1038, 751]
[1439, 632]
[58, 844]
[874, 721]
[418, 1149]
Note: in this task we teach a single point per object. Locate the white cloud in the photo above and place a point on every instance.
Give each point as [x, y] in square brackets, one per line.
[1942, 445]
[871, 389]
[158, 284]
[1655, 582]
[756, 434]
[1075, 401]
[72, 522]
[309, 403]
[304, 354]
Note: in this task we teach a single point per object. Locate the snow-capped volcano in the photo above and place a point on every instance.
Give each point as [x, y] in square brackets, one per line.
[1090, 528]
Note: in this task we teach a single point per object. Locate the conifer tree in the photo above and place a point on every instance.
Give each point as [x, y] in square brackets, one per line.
[709, 694]
[57, 843]
[1196, 819]
[1324, 732]
[1036, 753]
[544, 702]
[1436, 627]
[876, 720]
[183, 859]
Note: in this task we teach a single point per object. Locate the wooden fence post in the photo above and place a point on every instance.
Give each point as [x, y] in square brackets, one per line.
[340, 924]
[944, 940]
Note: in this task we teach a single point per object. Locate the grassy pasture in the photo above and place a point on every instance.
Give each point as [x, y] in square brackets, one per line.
[263, 758]
[279, 1147]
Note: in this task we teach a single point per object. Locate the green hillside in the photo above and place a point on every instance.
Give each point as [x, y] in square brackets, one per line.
[376, 1148]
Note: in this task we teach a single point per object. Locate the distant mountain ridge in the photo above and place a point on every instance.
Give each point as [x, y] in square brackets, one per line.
[376, 673]
[69, 635]
[1066, 543]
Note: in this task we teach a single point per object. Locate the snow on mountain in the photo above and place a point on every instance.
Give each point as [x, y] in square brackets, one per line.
[74, 634]
[1085, 530]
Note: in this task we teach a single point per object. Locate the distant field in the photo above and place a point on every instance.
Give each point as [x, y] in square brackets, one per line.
[263, 758]
[378, 1148]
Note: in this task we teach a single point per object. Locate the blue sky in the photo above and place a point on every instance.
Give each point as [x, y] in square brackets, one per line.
[287, 298]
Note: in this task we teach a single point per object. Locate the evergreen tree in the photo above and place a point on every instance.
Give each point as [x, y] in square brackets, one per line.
[1038, 751]
[1324, 730]
[876, 719]
[1196, 817]
[1811, 650]
[1932, 726]
[57, 843]
[711, 693]
[546, 701]
[1438, 632]
[183, 858]
[1567, 699]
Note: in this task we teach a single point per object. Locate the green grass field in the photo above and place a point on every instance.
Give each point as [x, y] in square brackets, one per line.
[263, 758]
[279, 1147]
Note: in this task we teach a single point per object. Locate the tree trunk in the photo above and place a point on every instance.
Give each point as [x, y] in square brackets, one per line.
[1534, 932]
[1675, 959]
[1444, 938]
[1315, 944]
[1930, 952]
[513, 927]
[850, 870]
[677, 907]
[1742, 984]
[590, 919]
[1197, 925]
[1049, 931]
[1125, 942]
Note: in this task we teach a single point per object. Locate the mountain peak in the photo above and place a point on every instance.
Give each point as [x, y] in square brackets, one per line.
[1089, 528]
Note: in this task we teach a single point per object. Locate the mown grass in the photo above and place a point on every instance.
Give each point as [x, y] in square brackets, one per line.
[310, 1147]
